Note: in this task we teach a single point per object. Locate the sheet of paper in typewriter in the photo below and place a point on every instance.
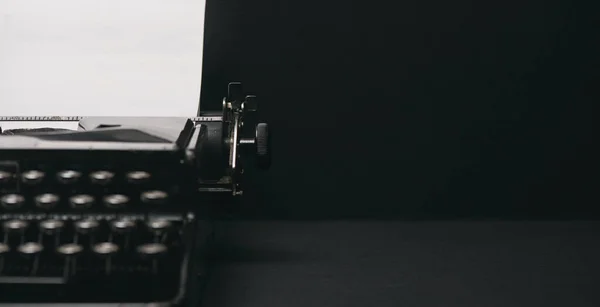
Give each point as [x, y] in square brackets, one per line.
[100, 57]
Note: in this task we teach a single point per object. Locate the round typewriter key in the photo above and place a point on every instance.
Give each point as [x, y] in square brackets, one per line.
[123, 227]
[31, 250]
[138, 176]
[101, 177]
[52, 228]
[106, 250]
[46, 201]
[82, 201]
[152, 251]
[70, 249]
[4, 249]
[154, 197]
[116, 201]
[70, 253]
[32, 177]
[159, 226]
[86, 226]
[15, 227]
[68, 176]
[5, 176]
[12, 201]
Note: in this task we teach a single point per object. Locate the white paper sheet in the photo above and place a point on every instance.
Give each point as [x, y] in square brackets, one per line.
[100, 57]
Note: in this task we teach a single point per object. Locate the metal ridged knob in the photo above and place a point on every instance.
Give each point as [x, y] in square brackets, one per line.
[46, 201]
[68, 176]
[32, 176]
[263, 146]
[101, 177]
[12, 201]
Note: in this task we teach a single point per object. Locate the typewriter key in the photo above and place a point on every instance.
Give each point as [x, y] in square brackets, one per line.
[15, 227]
[82, 201]
[31, 250]
[5, 176]
[12, 201]
[159, 226]
[32, 177]
[124, 227]
[46, 201]
[101, 177]
[4, 249]
[86, 228]
[106, 250]
[152, 251]
[68, 176]
[116, 201]
[154, 197]
[52, 228]
[138, 177]
[70, 252]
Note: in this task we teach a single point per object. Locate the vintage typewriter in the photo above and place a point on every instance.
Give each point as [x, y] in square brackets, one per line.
[118, 211]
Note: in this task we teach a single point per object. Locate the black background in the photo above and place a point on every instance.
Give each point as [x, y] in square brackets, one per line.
[414, 108]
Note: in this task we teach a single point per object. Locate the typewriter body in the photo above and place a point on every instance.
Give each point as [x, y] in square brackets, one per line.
[118, 211]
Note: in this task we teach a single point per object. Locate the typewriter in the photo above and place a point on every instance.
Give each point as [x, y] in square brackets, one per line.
[118, 211]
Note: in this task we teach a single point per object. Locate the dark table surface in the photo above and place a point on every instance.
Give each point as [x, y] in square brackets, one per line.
[370, 263]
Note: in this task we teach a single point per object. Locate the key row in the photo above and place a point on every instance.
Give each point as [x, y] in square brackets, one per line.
[70, 251]
[74, 249]
[86, 226]
[82, 201]
[101, 177]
